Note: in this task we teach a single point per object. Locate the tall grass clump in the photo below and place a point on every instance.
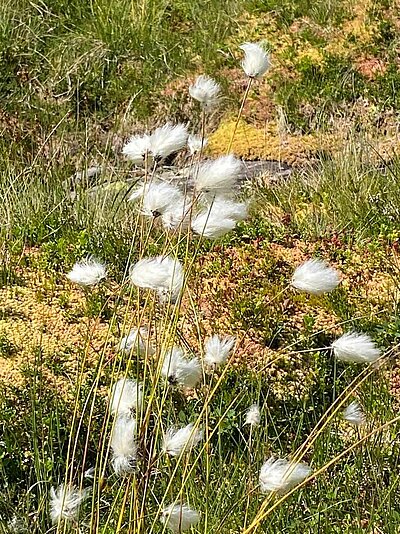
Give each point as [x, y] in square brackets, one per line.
[167, 435]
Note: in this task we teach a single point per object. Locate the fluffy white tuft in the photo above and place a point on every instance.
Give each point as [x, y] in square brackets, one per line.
[256, 61]
[65, 502]
[206, 91]
[179, 517]
[253, 416]
[123, 445]
[179, 370]
[219, 218]
[354, 347]
[315, 277]
[126, 397]
[177, 216]
[281, 476]
[162, 274]
[196, 144]
[182, 440]
[354, 414]
[88, 272]
[137, 148]
[217, 349]
[218, 176]
[138, 340]
[212, 227]
[168, 139]
[157, 198]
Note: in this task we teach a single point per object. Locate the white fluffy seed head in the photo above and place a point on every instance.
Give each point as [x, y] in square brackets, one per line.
[217, 349]
[279, 475]
[219, 218]
[196, 144]
[354, 347]
[218, 176]
[206, 91]
[87, 272]
[315, 277]
[137, 148]
[177, 216]
[123, 445]
[126, 397]
[354, 414]
[179, 370]
[253, 416]
[256, 61]
[137, 340]
[179, 517]
[162, 274]
[167, 140]
[65, 502]
[157, 198]
[183, 440]
[211, 226]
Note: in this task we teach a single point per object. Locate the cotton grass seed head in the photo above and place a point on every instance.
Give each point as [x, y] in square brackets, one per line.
[256, 61]
[279, 475]
[315, 277]
[126, 397]
[177, 217]
[253, 416]
[218, 176]
[123, 445]
[179, 517]
[183, 440]
[357, 348]
[87, 272]
[179, 370]
[163, 274]
[137, 148]
[219, 217]
[354, 414]
[206, 91]
[157, 198]
[211, 226]
[137, 340]
[217, 349]
[65, 502]
[196, 144]
[167, 140]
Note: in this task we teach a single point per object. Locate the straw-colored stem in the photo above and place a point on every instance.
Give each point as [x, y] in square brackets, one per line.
[246, 94]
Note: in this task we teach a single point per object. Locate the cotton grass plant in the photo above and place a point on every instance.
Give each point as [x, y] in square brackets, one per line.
[154, 424]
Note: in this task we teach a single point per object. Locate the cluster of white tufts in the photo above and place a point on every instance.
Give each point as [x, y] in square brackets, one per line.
[204, 201]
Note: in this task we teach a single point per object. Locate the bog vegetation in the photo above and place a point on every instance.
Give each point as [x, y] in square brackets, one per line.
[187, 345]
